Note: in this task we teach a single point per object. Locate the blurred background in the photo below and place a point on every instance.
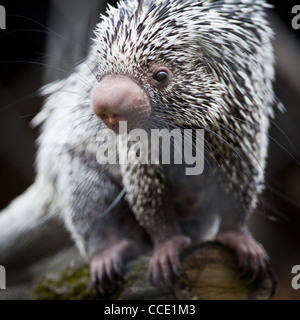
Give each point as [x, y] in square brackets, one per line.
[44, 40]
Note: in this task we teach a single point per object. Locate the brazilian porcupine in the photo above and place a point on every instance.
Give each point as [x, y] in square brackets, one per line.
[158, 64]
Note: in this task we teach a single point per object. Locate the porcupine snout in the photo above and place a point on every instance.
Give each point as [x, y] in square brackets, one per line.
[118, 98]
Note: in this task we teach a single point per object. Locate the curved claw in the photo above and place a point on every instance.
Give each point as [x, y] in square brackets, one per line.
[104, 279]
[118, 269]
[252, 258]
[175, 270]
[168, 281]
[164, 265]
[107, 265]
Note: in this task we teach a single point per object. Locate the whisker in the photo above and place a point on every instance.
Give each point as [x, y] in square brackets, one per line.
[51, 31]
[20, 100]
[49, 66]
[282, 196]
[268, 135]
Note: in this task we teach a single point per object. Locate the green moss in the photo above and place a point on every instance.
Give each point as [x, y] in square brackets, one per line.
[137, 271]
[68, 284]
[75, 284]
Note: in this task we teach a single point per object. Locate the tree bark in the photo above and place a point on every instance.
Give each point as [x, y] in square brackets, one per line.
[209, 272]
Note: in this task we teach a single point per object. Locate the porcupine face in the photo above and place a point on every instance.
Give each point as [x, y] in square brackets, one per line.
[184, 61]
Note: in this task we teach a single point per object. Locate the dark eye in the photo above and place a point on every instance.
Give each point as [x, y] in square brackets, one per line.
[161, 76]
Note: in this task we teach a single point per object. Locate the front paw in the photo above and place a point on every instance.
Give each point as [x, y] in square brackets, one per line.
[164, 265]
[106, 266]
[252, 257]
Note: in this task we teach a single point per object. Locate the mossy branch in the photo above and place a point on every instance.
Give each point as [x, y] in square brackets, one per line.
[209, 271]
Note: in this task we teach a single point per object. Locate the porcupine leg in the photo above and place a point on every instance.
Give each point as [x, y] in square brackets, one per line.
[98, 232]
[234, 233]
[252, 257]
[154, 211]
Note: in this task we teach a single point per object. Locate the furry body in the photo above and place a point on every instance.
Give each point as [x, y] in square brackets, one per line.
[221, 60]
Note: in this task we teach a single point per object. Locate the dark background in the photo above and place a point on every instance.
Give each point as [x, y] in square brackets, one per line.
[27, 62]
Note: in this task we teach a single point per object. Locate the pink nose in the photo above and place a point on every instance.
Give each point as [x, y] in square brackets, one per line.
[118, 98]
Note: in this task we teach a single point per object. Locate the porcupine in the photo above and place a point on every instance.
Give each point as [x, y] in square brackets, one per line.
[154, 63]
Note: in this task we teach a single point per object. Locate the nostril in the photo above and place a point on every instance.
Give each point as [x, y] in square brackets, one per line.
[110, 118]
[114, 116]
